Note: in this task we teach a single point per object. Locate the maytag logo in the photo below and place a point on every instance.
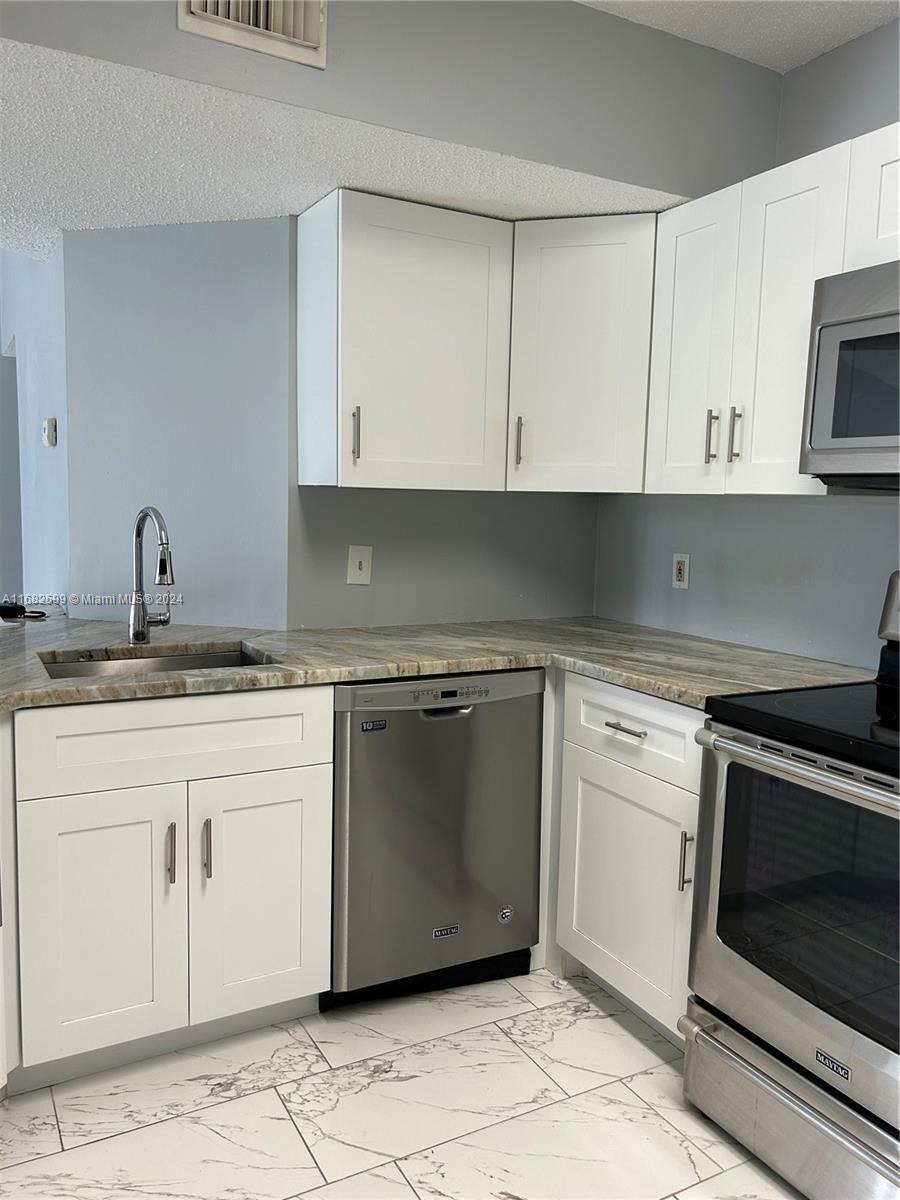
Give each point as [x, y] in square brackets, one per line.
[445, 931]
[833, 1065]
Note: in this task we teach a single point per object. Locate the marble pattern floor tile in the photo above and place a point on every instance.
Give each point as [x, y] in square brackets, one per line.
[379, 1027]
[365, 1114]
[248, 1149]
[171, 1085]
[543, 988]
[602, 1145]
[662, 1089]
[382, 1183]
[584, 1044]
[749, 1181]
[27, 1128]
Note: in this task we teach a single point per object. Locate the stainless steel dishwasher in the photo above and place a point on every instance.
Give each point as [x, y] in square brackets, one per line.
[437, 824]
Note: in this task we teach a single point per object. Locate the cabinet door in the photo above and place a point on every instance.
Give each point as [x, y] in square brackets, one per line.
[873, 205]
[260, 870]
[792, 233]
[693, 328]
[102, 919]
[624, 894]
[424, 345]
[580, 354]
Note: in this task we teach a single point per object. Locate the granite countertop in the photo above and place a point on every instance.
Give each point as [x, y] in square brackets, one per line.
[674, 666]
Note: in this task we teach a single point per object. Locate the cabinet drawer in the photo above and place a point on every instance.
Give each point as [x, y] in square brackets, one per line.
[98, 747]
[599, 716]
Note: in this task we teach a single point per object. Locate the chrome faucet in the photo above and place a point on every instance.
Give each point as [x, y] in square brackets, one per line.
[139, 620]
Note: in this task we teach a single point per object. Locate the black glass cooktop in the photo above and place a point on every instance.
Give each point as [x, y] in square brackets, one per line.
[855, 722]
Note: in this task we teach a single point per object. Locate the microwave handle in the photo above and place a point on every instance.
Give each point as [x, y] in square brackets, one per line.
[856, 792]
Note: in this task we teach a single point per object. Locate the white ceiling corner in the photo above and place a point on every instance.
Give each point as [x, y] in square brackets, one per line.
[779, 34]
[87, 144]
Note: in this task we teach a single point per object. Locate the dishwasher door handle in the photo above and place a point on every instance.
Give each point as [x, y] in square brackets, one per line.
[446, 714]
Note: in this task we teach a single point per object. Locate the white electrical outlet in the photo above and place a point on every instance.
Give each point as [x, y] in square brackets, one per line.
[359, 564]
[681, 570]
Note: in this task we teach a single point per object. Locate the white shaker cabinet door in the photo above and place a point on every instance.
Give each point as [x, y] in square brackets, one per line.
[582, 300]
[103, 918]
[626, 861]
[873, 206]
[792, 233]
[260, 867]
[423, 346]
[693, 328]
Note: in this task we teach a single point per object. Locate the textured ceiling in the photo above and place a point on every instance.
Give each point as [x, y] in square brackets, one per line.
[86, 144]
[780, 34]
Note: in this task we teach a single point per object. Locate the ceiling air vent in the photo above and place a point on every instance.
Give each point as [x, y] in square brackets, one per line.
[293, 29]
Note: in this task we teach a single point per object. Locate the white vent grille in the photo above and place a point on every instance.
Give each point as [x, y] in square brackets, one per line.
[293, 29]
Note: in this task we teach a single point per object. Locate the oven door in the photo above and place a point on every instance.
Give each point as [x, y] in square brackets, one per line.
[796, 911]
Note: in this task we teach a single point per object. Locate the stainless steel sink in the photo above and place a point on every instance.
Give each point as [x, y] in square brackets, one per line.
[90, 667]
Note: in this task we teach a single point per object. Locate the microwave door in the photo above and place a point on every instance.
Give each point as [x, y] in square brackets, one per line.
[857, 390]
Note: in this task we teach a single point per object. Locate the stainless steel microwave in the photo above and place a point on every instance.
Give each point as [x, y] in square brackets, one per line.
[851, 424]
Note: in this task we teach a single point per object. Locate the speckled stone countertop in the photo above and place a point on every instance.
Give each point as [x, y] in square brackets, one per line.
[673, 666]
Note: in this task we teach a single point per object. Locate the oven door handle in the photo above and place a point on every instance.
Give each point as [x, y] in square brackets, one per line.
[693, 1031]
[852, 790]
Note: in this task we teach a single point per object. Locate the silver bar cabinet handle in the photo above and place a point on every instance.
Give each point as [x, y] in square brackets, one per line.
[171, 851]
[620, 728]
[708, 455]
[733, 418]
[684, 880]
[357, 432]
[520, 424]
[207, 847]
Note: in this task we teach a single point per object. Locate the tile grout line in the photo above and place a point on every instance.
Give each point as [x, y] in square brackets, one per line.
[680, 1132]
[303, 1142]
[58, 1125]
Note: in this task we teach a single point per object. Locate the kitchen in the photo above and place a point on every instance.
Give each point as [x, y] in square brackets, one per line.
[442, 411]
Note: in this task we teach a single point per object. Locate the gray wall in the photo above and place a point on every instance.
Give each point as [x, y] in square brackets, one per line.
[179, 342]
[441, 556]
[10, 499]
[33, 325]
[850, 91]
[805, 573]
[549, 81]
[181, 394]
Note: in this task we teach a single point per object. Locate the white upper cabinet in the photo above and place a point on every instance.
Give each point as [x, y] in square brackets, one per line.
[582, 299]
[403, 345]
[791, 233]
[693, 326]
[873, 207]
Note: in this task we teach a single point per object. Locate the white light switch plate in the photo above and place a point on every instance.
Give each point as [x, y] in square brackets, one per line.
[359, 564]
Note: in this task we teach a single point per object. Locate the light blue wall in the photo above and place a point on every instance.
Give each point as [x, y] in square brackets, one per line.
[10, 498]
[805, 574]
[179, 345]
[33, 323]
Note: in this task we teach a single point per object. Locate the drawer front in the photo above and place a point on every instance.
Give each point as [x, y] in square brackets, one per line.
[97, 747]
[652, 735]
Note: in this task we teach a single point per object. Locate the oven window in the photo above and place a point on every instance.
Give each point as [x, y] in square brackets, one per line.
[866, 396]
[809, 894]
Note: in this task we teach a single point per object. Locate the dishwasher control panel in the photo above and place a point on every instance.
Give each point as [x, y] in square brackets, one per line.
[439, 693]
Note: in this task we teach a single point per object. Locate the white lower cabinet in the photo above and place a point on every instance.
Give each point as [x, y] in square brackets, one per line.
[626, 860]
[260, 884]
[103, 918]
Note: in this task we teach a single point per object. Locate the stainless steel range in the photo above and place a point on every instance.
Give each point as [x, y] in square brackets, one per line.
[792, 1031]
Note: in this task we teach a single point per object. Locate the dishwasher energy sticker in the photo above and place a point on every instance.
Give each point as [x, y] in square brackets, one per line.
[374, 726]
[444, 931]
